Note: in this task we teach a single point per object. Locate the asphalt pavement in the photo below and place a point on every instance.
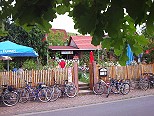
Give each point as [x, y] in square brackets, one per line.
[65, 102]
[140, 106]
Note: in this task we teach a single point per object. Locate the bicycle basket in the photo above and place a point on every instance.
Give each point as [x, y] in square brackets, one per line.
[11, 88]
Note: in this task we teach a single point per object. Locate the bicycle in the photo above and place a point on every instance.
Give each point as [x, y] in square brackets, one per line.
[100, 87]
[134, 83]
[144, 84]
[121, 86]
[55, 91]
[67, 88]
[9, 96]
[150, 77]
[148, 81]
[41, 92]
[118, 86]
[140, 83]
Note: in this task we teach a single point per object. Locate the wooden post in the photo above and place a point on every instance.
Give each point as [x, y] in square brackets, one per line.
[153, 67]
[93, 74]
[90, 75]
[75, 80]
[96, 75]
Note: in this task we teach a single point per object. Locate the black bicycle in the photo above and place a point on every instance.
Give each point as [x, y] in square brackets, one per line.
[9, 96]
[118, 86]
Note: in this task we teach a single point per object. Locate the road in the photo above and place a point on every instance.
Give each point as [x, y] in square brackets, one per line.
[141, 106]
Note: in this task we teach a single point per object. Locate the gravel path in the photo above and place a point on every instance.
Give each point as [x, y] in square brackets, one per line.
[68, 102]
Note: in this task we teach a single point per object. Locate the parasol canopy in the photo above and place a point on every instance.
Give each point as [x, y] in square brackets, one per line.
[8, 48]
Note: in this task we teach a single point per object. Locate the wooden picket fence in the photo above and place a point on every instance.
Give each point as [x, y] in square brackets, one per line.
[34, 76]
[128, 72]
[48, 76]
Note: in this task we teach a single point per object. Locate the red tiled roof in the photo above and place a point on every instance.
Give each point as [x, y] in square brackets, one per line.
[62, 48]
[83, 42]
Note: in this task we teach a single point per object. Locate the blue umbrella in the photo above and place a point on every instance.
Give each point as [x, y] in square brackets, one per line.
[8, 48]
[129, 54]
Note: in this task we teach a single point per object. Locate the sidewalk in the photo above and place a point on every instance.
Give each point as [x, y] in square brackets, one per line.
[33, 106]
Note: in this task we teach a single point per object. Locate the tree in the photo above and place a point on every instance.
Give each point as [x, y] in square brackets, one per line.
[150, 38]
[55, 39]
[33, 39]
[118, 18]
[149, 49]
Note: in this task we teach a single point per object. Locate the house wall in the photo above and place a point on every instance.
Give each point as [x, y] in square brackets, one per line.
[72, 43]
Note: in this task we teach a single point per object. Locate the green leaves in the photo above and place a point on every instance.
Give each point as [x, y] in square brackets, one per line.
[136, 9]
[56, 39]
[35, 12]
[85, 17]
[150, 20]
[106, 43]
[123, 58]
[62, 9]
[114, 16]
[118, 18]
[43, 24]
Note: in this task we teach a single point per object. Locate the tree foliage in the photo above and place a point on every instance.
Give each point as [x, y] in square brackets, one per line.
[55, 39]
[118, 18]
[150, 37]
[32, 39]
[150, 47]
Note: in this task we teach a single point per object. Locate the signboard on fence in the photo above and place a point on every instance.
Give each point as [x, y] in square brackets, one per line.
[69, 74]
[103, 72]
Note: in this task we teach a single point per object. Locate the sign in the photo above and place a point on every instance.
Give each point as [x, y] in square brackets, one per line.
[103, 72]
[69, 74]
[8, 51]
[66, 52]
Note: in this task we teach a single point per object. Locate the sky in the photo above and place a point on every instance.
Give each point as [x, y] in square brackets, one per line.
[64, 22]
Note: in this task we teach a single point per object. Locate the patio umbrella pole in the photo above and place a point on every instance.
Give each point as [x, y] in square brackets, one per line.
[8, 65]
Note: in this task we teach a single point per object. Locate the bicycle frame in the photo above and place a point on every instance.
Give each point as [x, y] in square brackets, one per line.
[33, 92]
[103, 82]
[63, 88]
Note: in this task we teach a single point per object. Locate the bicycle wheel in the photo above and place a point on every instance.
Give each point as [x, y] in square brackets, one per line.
[10, 98]
[133, 84]
[71, 90]
[144, 84]
[98, 89]
[115, 89]
[55, 93]
[125, 88]
[109, 90]
[44, 94]
[23, 95]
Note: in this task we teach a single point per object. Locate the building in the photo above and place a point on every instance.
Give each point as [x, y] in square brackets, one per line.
[75, 48]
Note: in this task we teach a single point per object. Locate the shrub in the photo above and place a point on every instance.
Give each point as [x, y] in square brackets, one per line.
[1, 66]
[30, 64]
[79, 75]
